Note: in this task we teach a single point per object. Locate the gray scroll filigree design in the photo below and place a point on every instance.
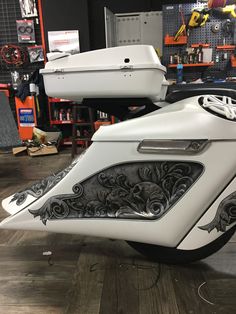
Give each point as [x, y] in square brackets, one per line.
[225, 215]
[139, 190]
[40, 188]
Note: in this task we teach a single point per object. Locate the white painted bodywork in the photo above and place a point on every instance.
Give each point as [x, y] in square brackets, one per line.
[118, 144]
[196, 238]
[105, 73]
[185, 119]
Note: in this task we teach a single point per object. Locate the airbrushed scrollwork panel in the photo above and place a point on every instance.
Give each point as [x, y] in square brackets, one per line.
[138, 190]
[225, 215]
[40, 188]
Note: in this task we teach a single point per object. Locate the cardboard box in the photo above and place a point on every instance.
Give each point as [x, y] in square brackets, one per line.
[53, 137]
[42, 151]
[19, 150]
[47, 137]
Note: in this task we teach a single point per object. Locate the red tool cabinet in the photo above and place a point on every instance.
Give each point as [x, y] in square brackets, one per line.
[26, 117]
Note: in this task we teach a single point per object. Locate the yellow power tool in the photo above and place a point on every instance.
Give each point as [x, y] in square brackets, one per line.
[198, 19]
[229, 9]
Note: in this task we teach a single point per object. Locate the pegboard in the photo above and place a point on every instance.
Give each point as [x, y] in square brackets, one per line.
[171, 23]
[9, 13]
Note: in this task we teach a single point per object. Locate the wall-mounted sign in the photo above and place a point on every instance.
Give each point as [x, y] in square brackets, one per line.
[26, 117]
[64, 41]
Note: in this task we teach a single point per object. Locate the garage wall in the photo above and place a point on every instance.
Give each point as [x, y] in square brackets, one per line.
[67, 15]
[85, 15]
[9, 13]
[88, 16]
[96, 14]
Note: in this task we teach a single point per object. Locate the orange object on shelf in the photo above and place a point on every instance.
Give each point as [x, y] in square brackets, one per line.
[6, 92]
[26, 117]
[233, 61]
[113, 120]
[206, 64]
[97, 124]
[200, 45]
[226, 47]
[68, 141]
[5, 89]
[169, 40]
[53, 99]
[61, 122]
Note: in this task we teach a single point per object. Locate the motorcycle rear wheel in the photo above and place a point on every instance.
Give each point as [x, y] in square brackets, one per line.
[167, 255]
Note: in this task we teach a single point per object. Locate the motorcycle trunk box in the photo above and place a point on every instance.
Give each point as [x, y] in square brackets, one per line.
[118, 72]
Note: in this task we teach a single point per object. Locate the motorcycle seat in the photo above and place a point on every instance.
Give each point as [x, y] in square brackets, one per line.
[178, 95]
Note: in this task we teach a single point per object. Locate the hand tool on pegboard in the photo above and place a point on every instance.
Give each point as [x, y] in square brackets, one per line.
[227, 12]
[198, 18]
[182, 30]
[215, 28]
[227, 29]
[229, 9]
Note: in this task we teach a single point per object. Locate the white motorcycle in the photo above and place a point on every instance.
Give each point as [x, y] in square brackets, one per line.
[164, 181]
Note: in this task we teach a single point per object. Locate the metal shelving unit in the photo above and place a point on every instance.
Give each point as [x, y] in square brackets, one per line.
[85, 129]
[79, 121]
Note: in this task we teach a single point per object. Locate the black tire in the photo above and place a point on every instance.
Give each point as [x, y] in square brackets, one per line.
[169, 255]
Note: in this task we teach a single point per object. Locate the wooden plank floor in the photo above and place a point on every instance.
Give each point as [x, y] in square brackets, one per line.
[99, 276]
